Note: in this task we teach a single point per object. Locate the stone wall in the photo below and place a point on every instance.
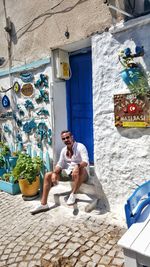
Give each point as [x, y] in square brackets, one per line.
[39, 26]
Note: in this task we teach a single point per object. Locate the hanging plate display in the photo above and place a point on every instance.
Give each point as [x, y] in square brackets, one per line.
[16, 87]
[5, 101]
[26, 77]
[27, 89]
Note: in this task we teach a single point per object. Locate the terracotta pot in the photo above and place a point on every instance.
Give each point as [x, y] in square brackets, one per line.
[29, 189]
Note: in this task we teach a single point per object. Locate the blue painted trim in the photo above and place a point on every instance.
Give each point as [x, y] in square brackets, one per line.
[81, 51]
[32, 65]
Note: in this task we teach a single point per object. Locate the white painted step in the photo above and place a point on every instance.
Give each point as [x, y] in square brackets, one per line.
[87, 197]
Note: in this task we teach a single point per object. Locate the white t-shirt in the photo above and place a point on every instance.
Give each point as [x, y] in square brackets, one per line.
[79, 154]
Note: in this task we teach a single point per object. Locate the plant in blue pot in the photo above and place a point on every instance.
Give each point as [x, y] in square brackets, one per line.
[2, 165]
[6, 177]
[5, 153]
[5, 150]
[134, 74]
[13, 159]
[9, 184]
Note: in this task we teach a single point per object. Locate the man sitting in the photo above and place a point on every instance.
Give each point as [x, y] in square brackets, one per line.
[73, 163]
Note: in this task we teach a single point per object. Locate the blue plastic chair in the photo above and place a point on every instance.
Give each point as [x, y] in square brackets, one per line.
[136, 203]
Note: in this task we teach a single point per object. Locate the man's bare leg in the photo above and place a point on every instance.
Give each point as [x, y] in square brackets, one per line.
[79, 179]
[50, 179]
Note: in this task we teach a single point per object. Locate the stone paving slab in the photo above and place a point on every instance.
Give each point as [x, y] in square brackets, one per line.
[57, 238]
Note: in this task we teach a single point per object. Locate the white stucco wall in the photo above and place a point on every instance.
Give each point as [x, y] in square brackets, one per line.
[122, 156]
[59, 115]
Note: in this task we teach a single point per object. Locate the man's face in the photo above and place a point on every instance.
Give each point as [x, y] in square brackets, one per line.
[67, 139]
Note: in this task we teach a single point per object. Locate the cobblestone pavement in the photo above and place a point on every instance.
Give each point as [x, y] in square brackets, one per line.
[57, 237]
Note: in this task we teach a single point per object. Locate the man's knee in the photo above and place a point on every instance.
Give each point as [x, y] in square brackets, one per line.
[48, 176]
[84, 175]
[76, 178]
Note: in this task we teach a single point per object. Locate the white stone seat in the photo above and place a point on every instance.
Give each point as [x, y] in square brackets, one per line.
[87, 192]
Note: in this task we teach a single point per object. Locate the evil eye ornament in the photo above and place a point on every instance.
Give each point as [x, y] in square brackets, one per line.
[5, 101]
[16, 87]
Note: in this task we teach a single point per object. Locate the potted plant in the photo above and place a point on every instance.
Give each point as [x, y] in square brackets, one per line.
[27, 172]
[133, 73]
[2, 165]
[9, 184]
[5, 153]
[1, 145]
[5, 150]
[2, 162]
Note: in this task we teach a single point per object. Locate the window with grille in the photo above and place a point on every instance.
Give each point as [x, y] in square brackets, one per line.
[137, 7]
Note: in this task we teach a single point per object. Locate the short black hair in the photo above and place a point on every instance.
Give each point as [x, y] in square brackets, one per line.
[66, 131]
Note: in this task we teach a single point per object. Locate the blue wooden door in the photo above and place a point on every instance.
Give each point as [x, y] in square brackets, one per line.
[79, 101]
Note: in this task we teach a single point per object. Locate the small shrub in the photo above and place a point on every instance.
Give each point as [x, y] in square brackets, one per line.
[27, 168]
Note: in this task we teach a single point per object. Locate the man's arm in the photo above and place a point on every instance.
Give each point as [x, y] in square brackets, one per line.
[85, 159]
[57, 169]
[60, 164]
[84, 156]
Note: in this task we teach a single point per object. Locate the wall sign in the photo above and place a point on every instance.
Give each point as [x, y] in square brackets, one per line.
[132, 111]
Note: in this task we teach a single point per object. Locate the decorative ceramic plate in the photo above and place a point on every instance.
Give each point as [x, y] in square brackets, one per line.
[26, 77]
[27, 89]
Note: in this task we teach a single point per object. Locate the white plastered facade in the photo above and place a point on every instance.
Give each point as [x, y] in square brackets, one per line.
[121, 154]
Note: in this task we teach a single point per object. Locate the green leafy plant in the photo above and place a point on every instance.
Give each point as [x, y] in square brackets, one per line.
[2, 161]
[134, 74]
[27, 168]
[15, 153]
[1, 144]
[4, 149]
[7, 177]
